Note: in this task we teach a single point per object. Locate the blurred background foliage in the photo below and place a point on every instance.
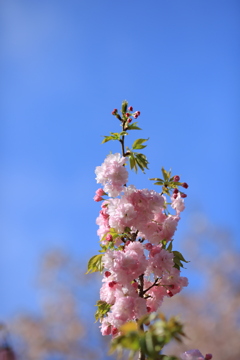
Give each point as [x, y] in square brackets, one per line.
[210, 311]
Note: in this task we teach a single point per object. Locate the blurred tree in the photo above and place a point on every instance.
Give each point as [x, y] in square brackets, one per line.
[211, 312]
[58, 332]
[6, 351]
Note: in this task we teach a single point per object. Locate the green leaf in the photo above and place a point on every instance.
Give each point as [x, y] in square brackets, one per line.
[130, 342]
[164, 244]
[177, 262]
[129, 327]
[165, 190]
[149, 343]
[137, 160]
[133, 126]
[180, 256]
[107, 138]
[113, 136]
[142, 161]
[158, 183]
[95, 264]
[169, 248]
[123, 133]
[138, 144]
[113, 232]
[103, 309]
[166, 174]
[133, 164]
[157, 179]
[124, 106]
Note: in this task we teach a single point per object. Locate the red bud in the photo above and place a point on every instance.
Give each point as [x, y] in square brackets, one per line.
[208, 356]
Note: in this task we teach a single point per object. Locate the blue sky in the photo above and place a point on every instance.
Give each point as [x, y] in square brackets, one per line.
[64, 66]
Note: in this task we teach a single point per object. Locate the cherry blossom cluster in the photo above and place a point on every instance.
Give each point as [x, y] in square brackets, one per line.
[136, 229]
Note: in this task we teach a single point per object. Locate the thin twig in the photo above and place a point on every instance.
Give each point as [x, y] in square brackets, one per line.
[154, 284]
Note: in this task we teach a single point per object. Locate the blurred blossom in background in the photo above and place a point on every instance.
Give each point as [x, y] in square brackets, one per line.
[64, 67]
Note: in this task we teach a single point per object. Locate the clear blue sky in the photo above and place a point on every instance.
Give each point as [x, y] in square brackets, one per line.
[64, 66]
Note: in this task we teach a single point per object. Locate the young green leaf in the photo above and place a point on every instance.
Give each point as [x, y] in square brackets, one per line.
[113, 136]
[166, 174]
[103, 309]
[169, 248]
[156, 179]
[123, 133]
[133, 164]
[158, 183]
[124, 106]
[137, 145]
[142, 160]
[133, 126]
[95, 264]
[180, 256]
[107, 138]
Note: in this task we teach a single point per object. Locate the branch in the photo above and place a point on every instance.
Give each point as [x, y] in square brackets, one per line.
[154, 284]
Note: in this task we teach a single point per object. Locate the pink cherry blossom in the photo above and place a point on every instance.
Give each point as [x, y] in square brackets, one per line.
[173, 281]
[178, 203]
[106, 327]
[112, 174]
[160, 262]
[126, 265]
[169, 227]
[122, 311]
[108, 292]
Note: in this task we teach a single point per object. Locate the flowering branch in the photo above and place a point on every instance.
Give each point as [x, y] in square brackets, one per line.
[136, 230]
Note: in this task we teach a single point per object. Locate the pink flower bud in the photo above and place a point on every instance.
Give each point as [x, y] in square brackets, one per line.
[109, 237]
[148, 246]
[100, 192]
[114, 331]
[129, 120]
[176, 178]
[174, 196]
[183, 195]
[127, 114]
[208, 356]
[114, 111]
[111, 284]
[185, 185]
[127, 243]
[107, 273]
[135, 116]
[169, 293]
[148, 309]
[175, 191]
[130, 108]
[138, 113]
[97, 198]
